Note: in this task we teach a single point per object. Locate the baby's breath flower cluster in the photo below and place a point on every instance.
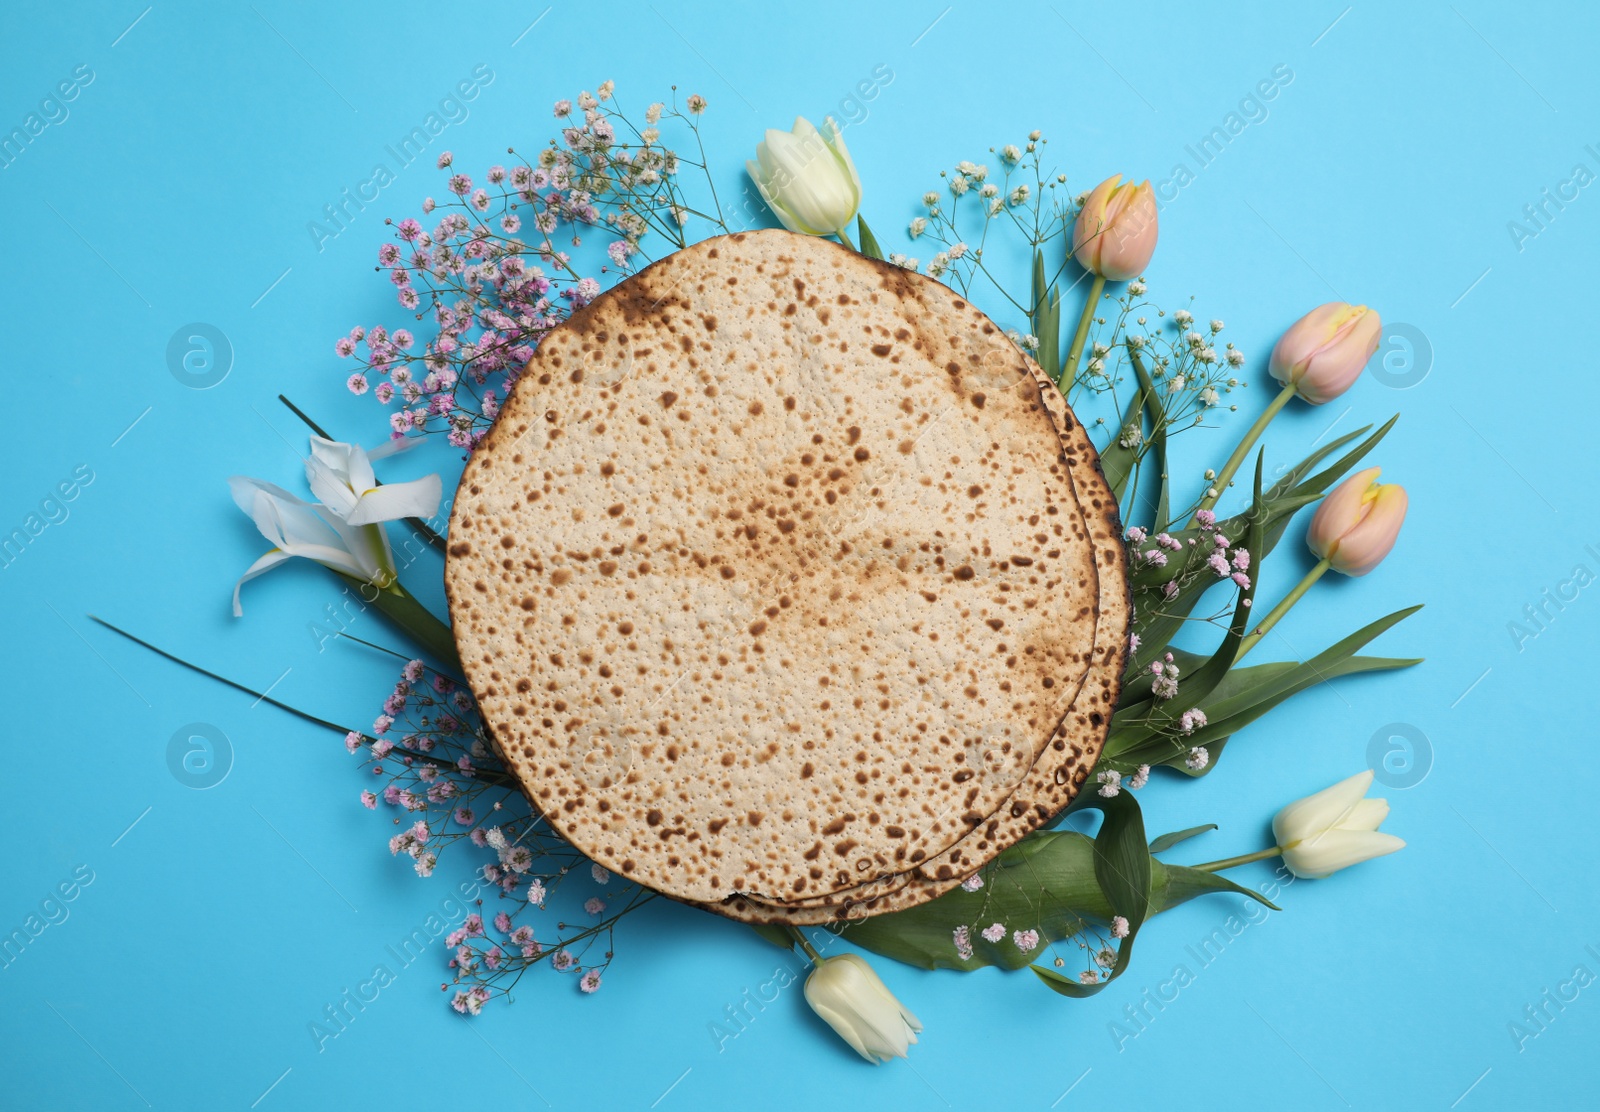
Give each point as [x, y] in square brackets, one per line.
[1018, 196]
[491, 275]
[445, 785]
[1013, 193]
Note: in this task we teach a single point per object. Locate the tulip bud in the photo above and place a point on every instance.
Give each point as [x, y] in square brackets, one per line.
[1323, 352]
[1333, 829]
[1116, 230]
[807, 179]
[846, 993]
[1356, 525]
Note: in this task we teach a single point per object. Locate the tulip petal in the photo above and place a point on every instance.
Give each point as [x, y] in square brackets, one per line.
[1308, 817]
[1366, 543]
[1367, 814]
[1339, 513]
[1338, 849]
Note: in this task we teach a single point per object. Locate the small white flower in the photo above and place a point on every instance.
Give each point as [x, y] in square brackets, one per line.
[994, 932]
[1110, 783]
[1119, 927]
[1198, 758]
[918, 226]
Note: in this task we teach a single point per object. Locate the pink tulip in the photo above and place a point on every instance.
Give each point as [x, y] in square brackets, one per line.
[1116, 230]
[1324, 351]
[1356, 525]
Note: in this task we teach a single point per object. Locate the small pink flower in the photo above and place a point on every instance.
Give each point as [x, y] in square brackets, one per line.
[1025, 941]
[972, 883]
[369, 801]
[590, 980]
[594, 905]
[1119, 927]
[994, 932]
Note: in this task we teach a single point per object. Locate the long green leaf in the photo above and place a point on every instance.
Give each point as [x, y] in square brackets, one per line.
[1117, 461]
[1158, 438]
[1122, 869]
[1167, 841]
[869, 242]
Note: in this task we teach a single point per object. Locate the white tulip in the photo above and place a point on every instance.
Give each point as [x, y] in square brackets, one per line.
[807, 179]
[345, 531]
[1333, 829]
[849, 996]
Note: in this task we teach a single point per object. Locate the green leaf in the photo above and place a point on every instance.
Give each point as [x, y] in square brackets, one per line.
[1116, 461]
[1158, 437]
[778, 936]
[1046, 882]
[1131, 726]
[1184, 884]
[1167, 841]
[1123, 870]
[869, 242]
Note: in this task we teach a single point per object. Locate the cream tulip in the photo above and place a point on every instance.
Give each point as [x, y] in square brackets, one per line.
[1333, 829]
[807, 178]
[846, 993]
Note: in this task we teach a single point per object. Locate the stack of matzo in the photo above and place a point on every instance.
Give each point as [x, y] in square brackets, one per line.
[787, 584]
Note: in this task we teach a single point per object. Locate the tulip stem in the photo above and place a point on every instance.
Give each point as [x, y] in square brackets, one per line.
[1243, 450]
[1069, 368]
[811, 952]
[1231, 862]
[844, 238]
[1282, 608]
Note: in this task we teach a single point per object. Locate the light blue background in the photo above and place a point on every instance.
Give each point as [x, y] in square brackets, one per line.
[224, 921]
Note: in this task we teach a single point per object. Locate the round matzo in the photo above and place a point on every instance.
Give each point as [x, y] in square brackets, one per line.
[769, 573]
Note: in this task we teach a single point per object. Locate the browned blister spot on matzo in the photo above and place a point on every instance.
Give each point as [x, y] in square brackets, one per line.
[756, 629]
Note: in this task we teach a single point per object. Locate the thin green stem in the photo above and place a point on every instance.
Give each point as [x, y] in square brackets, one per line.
[401, 607]
[1281, 609]
[1232, 862]
[1243, 450]
[1069, 368]
[844, 238]
[806, 946]
[263, 697]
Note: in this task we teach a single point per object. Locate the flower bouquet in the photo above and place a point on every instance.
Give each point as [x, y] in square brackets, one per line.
[787, 584]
